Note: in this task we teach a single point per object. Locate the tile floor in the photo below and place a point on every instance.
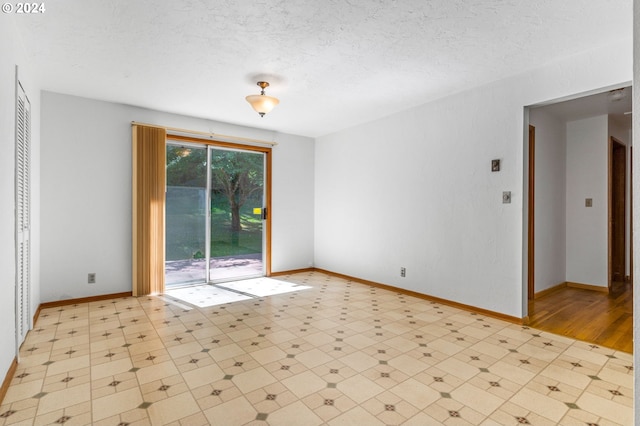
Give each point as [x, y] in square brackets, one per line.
[337, 353]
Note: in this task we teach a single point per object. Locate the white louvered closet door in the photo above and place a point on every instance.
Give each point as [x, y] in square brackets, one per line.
[23, 213]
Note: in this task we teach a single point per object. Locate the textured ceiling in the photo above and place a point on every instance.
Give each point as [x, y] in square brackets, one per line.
[332, 63]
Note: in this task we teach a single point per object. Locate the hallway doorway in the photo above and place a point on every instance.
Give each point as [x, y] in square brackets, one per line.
[578, 164]
[617, 213]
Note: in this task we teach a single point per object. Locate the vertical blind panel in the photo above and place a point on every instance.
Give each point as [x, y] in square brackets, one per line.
[149, 158]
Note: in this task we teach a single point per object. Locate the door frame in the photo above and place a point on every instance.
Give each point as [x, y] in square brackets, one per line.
[531, 215]
[631, 215]
[613, 143]
[268, 180]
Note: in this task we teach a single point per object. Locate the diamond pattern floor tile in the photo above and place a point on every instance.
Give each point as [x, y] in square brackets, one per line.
[317, 350]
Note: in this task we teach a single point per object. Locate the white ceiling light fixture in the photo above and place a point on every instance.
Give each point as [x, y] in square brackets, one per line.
[262, 103]
[616, 95]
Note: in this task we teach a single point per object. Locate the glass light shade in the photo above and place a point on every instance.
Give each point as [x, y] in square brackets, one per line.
[262, 103]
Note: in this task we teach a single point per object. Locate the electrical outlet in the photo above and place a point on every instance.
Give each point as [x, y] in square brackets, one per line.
[91, 278]
[403, 272]
[588, 202]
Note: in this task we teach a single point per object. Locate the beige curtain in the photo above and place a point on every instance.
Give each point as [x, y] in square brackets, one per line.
[149, 170]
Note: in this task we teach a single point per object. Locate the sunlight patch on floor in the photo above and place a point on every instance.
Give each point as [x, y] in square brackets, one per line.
[206, 295]
[262, 287]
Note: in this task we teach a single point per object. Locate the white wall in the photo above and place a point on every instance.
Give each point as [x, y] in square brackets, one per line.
[550, 199]
[415, 189]
[619, 130]
[293, 201]
[86, 193]
[11, 54]
[587, 177]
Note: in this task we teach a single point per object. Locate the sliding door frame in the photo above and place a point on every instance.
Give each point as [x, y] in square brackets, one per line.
[171, 139]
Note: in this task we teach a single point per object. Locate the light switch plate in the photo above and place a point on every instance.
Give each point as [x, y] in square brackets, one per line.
[588, 202]
[506, 197]
[495, 165]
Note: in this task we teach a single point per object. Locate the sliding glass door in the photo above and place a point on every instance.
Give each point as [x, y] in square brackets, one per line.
[237, 200]
[214, 214]
[186, 215]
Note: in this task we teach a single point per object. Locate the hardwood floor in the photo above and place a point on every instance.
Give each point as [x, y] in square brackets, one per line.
[600, 318]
